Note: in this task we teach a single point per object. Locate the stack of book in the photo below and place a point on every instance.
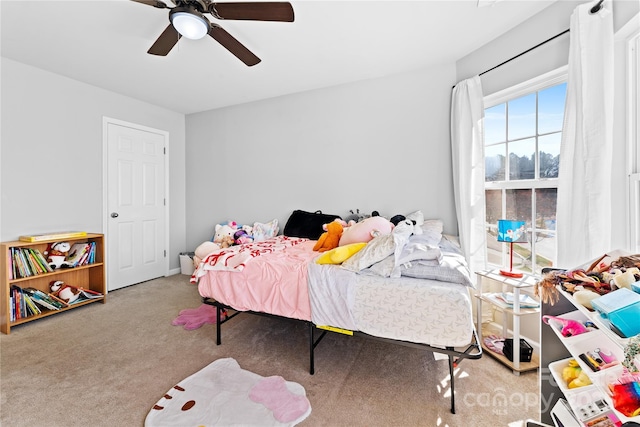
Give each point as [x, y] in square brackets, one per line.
[29, 302]
[506, 300]
[81, 254]
[21, 304]
[27, 262]
[44, 299]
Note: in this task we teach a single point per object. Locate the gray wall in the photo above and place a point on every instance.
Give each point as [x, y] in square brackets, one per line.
[52, 160]
[551, 21]
[380, 144]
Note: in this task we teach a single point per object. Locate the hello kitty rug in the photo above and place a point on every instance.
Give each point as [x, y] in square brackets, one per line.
[223, 394]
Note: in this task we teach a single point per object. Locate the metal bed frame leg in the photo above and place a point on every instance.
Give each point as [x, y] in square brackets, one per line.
[453, 389]
[218, 325]
[311, 349]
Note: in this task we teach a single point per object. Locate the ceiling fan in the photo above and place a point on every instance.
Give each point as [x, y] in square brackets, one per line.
[187, 19]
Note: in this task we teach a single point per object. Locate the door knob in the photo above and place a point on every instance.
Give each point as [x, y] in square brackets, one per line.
[114, 214]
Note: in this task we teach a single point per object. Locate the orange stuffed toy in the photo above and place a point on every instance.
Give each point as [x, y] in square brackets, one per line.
[330, 239]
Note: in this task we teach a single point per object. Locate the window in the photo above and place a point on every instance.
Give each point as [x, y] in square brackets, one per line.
[523, 130]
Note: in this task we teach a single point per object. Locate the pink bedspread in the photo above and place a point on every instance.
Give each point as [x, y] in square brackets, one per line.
[287, 268]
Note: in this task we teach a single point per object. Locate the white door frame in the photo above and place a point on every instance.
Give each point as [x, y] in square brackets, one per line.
[105, 185]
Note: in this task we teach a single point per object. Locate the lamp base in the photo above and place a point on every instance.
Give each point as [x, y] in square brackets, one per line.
[511, 273]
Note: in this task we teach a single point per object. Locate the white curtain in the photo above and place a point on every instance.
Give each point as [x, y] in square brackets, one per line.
[584, 185]
[467, 149]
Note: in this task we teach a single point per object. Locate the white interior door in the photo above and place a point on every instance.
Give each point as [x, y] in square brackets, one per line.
[135, 204]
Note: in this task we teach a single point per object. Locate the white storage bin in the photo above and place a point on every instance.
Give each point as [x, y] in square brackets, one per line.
[186, 264]
[576, 315]
[556, 369]
[591, 342]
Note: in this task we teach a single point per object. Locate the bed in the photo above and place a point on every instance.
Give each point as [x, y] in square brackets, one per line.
[407, 288]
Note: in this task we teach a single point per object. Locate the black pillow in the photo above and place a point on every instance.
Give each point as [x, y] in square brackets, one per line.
[307, 224]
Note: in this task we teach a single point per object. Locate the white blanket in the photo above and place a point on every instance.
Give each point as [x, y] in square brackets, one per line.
[417, 310]
[432, 307]
[235, 258]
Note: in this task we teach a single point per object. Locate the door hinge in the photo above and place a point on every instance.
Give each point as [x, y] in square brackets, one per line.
[164, 150]
[165, 253]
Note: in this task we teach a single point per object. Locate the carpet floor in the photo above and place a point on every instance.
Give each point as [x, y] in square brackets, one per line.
[108, 364]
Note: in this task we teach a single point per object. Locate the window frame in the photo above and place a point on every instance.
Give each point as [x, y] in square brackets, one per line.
[552, 78]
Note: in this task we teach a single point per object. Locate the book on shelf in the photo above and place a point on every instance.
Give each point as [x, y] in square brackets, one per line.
[22, 305]
[85, 295]
[526, 301]
[81, 254]
[76, 253]
[41, 260]
[32, 307]
[26, 262]
[53, 236]
[497, 299]
[45, 299]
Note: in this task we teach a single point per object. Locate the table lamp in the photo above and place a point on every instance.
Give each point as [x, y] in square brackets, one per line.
[511, 231]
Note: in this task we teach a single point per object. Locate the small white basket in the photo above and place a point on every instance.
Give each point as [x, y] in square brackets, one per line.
[186, 264]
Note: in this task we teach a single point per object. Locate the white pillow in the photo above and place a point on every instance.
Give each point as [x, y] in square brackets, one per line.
[381, 260]
[265, 231]
[432, 226]
[376, 250]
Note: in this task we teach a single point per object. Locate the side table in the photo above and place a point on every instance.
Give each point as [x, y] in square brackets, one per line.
[514, 285]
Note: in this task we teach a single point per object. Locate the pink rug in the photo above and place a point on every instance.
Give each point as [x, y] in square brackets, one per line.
[494, 343]
[193, 318]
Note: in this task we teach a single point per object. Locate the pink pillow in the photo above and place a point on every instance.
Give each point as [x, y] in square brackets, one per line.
[364, 231]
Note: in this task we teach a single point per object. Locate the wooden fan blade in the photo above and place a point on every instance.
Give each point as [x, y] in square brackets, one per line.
[263, 11]
[155, 3]
[232, 45]
[165, 42]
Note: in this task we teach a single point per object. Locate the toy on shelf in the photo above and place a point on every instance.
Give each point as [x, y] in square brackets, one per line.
[56, 254]
[569, 328]
[64, 292]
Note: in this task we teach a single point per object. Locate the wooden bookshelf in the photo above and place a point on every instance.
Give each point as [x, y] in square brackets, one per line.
[90, 276]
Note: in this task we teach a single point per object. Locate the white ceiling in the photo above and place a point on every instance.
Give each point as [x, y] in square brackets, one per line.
[104, 43]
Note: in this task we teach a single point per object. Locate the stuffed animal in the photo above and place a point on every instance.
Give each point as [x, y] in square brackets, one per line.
[339, 254]
[241, 237]
[397, 218]
[64, 291]
[223, 230]
[330, 238]
[570, 327]
[226, 241]
[56, 254]
[366, 230]
[357, 216]
[203, 250]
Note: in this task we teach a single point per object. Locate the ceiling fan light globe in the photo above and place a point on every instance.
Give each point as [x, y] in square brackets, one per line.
[190, 25]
